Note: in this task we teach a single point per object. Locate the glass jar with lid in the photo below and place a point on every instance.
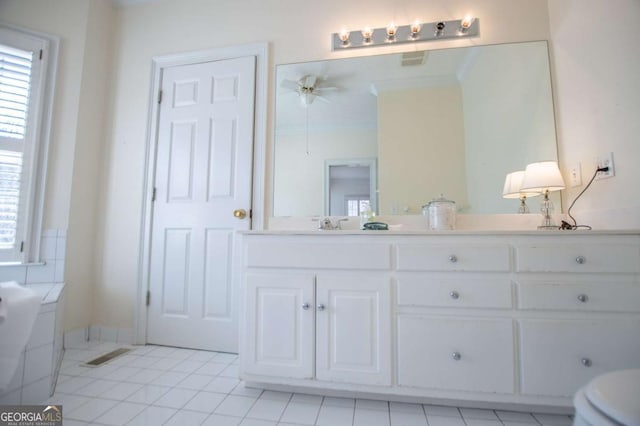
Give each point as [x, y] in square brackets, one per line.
[441, 213]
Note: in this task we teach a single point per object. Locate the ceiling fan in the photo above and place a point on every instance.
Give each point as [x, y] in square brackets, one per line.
[308, 89]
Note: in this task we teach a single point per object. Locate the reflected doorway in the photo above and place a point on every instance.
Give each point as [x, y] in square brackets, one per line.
[350, 187]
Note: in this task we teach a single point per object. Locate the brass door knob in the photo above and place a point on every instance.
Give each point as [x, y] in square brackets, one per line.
[240, 213]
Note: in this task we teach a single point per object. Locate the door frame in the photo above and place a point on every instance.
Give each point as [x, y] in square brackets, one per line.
[158, 63]
[373, 180]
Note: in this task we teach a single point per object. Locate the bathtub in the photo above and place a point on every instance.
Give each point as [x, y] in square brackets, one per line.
[35, 377]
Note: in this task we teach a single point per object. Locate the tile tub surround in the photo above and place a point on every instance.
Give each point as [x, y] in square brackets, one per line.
[155, 385]
[40, 362]
[49, 269]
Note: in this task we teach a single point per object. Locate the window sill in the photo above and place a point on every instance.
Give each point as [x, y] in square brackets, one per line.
[22, 264]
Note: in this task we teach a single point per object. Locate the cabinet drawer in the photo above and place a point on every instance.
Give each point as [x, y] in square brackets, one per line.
[614, 297]
[623, 258]
[558, 357]
[471, 354]
[453, 258]
[448, 292]
[317, 254]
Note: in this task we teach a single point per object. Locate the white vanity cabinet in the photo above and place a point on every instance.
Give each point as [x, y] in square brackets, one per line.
[505, 320]
[591, 292]
[316, 322]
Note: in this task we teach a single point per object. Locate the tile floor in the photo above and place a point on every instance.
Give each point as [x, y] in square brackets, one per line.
[156, 385]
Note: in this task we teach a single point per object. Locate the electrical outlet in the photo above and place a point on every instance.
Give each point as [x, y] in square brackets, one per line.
[575, 175]
[606, 160]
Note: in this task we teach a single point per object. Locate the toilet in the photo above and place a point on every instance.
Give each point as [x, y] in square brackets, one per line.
[610, 399]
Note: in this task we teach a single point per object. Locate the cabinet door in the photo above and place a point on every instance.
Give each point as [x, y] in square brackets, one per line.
[560, 356]
[353, 334]
[280, 323]
[472, 354]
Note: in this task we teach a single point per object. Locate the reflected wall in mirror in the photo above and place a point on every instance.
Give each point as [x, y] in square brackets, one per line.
[451, 121]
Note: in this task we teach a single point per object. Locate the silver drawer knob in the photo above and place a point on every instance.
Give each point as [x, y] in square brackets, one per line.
[321, 307]
[581, 260]
[586, 362]
[583, 298]
[453, 258]
[305, 306]
[456, 356]
[454, 294]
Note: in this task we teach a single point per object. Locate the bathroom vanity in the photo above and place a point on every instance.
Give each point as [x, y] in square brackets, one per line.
[500, 319]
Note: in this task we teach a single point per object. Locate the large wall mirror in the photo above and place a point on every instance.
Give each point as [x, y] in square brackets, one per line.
[451, 121]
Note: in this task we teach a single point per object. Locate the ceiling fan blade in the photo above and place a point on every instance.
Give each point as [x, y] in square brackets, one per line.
[289, 84]
[325, 89]
[323, 99]
[309, 81]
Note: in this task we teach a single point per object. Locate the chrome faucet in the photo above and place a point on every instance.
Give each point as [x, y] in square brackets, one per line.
[326, 224]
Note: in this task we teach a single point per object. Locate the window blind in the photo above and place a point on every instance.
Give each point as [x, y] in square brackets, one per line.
[15, 82]
[10, 172]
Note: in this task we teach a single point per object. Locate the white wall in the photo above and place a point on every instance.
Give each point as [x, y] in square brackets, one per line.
[596, 64]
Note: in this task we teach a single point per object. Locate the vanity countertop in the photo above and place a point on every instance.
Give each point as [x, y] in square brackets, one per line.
[398, 232]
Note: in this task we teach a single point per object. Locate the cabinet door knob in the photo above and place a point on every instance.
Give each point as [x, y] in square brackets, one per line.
[453, 258]
[586, 362]
[581, 259]
[454, 294]
[305, 306]
[583, 298]
[321, 307]
[456, 356]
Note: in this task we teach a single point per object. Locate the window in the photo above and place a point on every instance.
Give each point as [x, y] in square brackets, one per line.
[357, 204]
[24, 130]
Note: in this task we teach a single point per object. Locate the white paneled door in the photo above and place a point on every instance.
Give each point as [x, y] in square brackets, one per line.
[202, 196]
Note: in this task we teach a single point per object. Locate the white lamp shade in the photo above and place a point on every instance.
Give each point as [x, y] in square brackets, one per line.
[513, 185]
[542, 176]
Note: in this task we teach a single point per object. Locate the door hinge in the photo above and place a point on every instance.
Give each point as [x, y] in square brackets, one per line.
[160, 97]
[21, 246]
[148, 297]
[41, 53]
[153, 195]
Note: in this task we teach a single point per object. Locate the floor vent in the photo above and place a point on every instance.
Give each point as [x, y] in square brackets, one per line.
[107, 357]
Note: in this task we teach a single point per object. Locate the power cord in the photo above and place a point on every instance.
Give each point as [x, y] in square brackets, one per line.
[566, 225]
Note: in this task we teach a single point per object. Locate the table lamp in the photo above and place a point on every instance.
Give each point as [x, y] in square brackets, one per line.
[543, 177]
[512, 189]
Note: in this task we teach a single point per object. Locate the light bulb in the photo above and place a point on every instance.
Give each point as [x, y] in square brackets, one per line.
[344, 37]
[391, 31]
[367, 33]
[466, 23]
[415, 29]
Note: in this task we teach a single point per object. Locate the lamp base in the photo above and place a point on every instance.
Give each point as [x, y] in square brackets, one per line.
[548, 227]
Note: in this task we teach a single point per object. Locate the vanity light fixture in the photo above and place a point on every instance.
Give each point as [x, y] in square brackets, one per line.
[512, 189]
[417, 31]
[543, 177]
